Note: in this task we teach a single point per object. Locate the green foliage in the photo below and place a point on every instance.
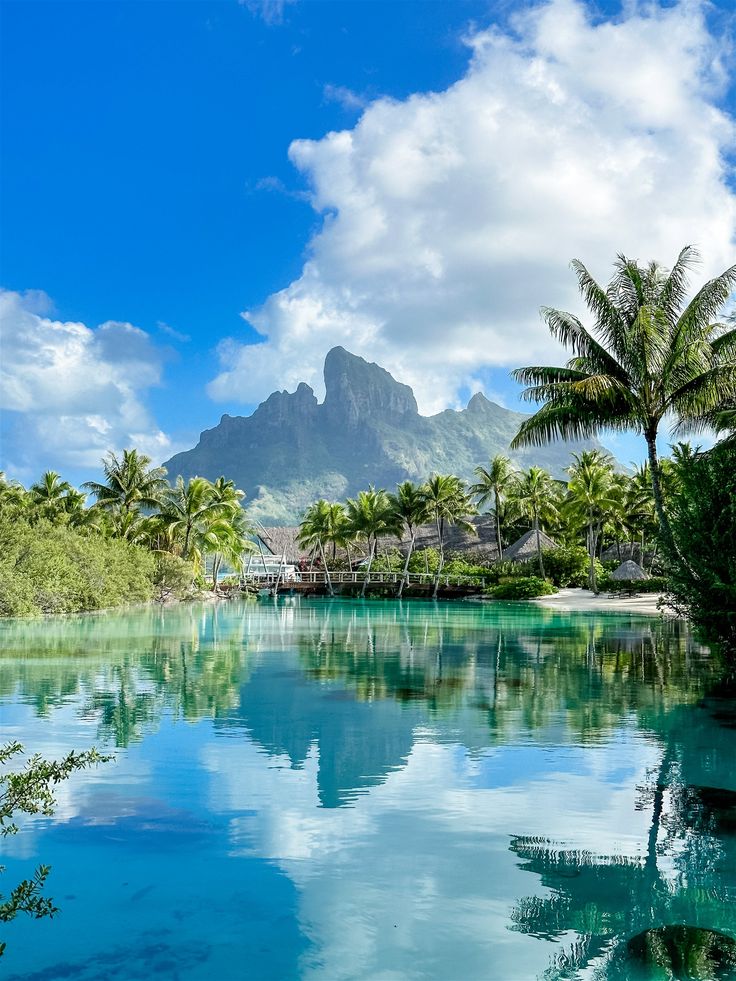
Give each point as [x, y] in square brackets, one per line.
[390, 560]
[424, 559]
[702, 572]
[569, 565]
[31, 791]
[173, 576]
[522, 587]
[459, 567]
[54, 569]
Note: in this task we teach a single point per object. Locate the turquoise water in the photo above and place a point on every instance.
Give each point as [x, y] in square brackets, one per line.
[333, 790]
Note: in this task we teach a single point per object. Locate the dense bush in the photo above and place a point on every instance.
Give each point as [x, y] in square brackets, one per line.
[172, 576]
[53, 569]
[702, 577]
[522, 587]
[569, 565]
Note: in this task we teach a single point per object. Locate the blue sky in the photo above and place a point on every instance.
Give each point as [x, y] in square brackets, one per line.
[451, 157]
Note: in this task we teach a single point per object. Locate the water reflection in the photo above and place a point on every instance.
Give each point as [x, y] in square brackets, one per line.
[383, 757]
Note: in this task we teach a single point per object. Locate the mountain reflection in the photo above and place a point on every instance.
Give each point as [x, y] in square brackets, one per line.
[383, 756]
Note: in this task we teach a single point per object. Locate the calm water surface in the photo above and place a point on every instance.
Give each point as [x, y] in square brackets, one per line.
[344, 790]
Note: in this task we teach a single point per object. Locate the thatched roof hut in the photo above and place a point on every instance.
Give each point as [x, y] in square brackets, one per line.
[283, 540]
[526, 547]
[629, 571]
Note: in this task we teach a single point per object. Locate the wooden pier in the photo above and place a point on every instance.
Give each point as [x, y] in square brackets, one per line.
[321, 583]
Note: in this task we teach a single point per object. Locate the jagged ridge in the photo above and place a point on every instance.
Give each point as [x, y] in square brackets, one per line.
[368, 430]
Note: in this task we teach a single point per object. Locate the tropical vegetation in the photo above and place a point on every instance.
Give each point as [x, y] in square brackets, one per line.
[138, 539]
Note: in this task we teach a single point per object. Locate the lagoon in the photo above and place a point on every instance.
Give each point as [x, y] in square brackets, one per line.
[340, 789]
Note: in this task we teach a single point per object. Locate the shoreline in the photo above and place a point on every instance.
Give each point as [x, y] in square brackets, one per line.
[583, 601]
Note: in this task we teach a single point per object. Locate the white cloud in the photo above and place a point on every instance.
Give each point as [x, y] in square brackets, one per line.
[270, 11]
[78, 391]
[449, 218]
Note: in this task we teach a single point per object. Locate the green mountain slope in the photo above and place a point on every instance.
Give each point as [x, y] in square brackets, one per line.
[368, 430]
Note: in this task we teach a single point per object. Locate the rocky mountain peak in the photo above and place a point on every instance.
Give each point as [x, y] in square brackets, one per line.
[357, 390]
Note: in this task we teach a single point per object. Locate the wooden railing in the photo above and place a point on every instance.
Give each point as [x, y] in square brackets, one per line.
[320, 578]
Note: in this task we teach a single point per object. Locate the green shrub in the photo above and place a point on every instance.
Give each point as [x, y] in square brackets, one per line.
[522, 587]
[53, 569]
[172, 576]
[390, 560]
[569, 565]
[423, 557]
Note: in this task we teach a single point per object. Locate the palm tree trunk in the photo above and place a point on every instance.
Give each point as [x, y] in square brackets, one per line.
[591, 553]
[327, 571]
[539, 546]
[441, 561]
[664, 524]
[368, 570]
[405, 573]
[499, 546]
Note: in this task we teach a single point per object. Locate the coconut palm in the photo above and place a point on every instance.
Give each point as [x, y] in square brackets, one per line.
[494, 483]
[369, 516]
[535, 497]
[14, 499]
[592, 495]
[649, 354]
[188, 511]
[48, 495]
[314, 531]
[130, 482]
[227, 538]
[410, 507]
[448, 503]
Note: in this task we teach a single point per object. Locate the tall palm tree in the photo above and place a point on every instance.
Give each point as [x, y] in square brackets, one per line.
[227, 538]
[535, 496]
[592, 495]
[648, 354]
[48, 495]
[411, 509]
[130, 482]
[189, 510]
[369, 516]
[314, 531]
[493, 484]
[448, 503]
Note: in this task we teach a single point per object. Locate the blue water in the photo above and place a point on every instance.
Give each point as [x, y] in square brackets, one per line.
[337, 790]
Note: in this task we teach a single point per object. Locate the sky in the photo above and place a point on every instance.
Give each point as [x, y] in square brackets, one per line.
[199, 200]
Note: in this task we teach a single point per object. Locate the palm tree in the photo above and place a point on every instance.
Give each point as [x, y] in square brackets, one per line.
[493, 484]
[647, 355]
[130, 482]
[189, 511]
[369, 516]
[410, 507]
[314, 530]
[448, 504]
[535, 496]
[592, 494]
[49, 493]
[227, 537]
[14, 498]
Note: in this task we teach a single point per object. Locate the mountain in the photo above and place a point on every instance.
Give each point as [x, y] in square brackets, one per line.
[368, 430]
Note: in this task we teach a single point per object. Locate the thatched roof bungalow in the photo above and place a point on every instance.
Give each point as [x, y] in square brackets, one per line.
[526, 548]
[629, 571]
[283, 540]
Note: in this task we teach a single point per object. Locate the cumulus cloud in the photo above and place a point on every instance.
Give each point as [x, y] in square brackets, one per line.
[70, 393]
[449, 218]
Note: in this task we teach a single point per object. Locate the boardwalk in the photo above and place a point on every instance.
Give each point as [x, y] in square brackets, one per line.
[318, 583]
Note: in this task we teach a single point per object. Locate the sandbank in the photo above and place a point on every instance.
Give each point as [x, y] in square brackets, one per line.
[582, 600]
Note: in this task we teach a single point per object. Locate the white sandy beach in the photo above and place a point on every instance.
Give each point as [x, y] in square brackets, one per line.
[574, 600]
